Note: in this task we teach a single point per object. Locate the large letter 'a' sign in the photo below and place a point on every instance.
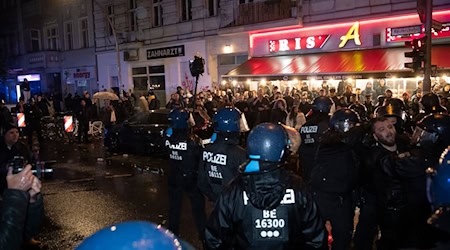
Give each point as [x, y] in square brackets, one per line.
[352, 33]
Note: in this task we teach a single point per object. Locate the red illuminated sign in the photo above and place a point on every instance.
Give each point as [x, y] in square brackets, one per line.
[401, 34]
[297, 43]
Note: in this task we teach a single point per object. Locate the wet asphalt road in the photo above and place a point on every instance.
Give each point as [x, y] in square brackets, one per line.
[92, 189]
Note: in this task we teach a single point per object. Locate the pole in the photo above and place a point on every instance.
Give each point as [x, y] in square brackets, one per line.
[427, 66]
[195, 90]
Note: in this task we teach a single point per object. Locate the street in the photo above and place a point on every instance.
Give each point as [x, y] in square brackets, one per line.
[92, 189]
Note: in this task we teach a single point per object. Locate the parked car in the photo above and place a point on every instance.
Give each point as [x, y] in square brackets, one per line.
[143, 133]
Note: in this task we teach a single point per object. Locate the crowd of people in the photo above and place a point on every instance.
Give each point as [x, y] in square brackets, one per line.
[354, 152]
[310, 159]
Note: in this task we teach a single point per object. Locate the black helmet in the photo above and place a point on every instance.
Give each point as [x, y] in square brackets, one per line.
[322, 104]
[178, 118]
[433, 129]
[431, 103]
[267, 142]
[343, 120]
[360, 109]
[389, 111]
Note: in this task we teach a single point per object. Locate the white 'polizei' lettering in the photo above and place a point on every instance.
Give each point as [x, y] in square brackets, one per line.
[215, 158]
[178, 146]
[288, 198]
[309, 129]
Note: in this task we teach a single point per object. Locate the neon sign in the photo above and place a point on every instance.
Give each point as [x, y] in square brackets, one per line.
[400, 34]
[352, 33]
[297, 43]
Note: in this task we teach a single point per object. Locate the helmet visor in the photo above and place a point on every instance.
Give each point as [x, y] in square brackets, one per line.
[344, 126]
[422, 137]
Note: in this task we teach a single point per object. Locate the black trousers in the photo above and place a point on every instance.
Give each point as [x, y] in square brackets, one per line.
[339, 210]
[197, 206]
[367, 227]
[83, 131]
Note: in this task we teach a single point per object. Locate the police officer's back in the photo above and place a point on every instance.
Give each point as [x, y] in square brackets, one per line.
[184, 151]
[311, 132]
[265, 207]
[220, 160]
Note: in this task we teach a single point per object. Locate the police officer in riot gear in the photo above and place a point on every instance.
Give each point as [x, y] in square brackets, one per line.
[334, 175]
[265, 206]
[440, 199]
[311, 132]
[430, 104]
[432, 135]
[220, 160]
[184, 151]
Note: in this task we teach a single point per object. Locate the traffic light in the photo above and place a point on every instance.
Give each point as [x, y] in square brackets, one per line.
[417, 54]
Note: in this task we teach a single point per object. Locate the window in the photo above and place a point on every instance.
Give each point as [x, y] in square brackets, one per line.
[110, 20]
[52, 38]
[151, 77]
[213, 6]
[186, 13]
[132, 15]
[68, 35]
[232, 59]
[35, 37]
[84, 33]
[157, 13]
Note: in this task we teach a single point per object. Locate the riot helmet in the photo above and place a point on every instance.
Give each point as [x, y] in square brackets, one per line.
[227, 119]
[343, 120]
[267, 142]
[322, 104]
[432, 131]
[360, 109]
[178, 118]
[431, 103]
[439, 194]
[132, 235]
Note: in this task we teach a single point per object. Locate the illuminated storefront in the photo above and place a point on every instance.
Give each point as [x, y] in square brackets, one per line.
[357, 52]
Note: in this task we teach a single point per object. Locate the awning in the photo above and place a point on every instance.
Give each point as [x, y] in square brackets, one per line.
[358, 62]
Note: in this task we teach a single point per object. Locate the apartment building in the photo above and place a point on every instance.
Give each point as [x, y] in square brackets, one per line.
[52, 46]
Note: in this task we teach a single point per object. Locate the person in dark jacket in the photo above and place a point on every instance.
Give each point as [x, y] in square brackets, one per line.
[265, 206]
[397, 176]
[21, 209]
[5, 117]
[311, 132]
[333, 178]
[33, 117]
[184, 151]
[83, 116]
[220, 160]
[279, 111]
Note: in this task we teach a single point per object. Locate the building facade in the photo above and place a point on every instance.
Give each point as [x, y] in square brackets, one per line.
[76, 45]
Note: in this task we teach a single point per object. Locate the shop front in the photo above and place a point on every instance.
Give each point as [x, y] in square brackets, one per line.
[162, 69]
[355, 52]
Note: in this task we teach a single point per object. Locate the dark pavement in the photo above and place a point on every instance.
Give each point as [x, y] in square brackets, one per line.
[92, 189]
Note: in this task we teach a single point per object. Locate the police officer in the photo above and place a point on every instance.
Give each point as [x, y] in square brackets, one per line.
[265, 207]
[432, 135]
[220, 160]
[333, 177]
[440, 199]
[396, 116]
[430, 105]
[311, 133]
[184, 151]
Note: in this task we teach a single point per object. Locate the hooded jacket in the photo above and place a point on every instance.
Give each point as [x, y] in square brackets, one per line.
[266, 210]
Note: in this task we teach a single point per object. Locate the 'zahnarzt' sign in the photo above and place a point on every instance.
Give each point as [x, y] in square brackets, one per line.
[165, 52]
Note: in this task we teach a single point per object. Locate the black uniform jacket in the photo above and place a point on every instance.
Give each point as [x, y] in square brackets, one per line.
[265, 211]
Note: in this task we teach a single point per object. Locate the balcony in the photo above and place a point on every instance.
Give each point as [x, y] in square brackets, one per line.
[267, 11]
